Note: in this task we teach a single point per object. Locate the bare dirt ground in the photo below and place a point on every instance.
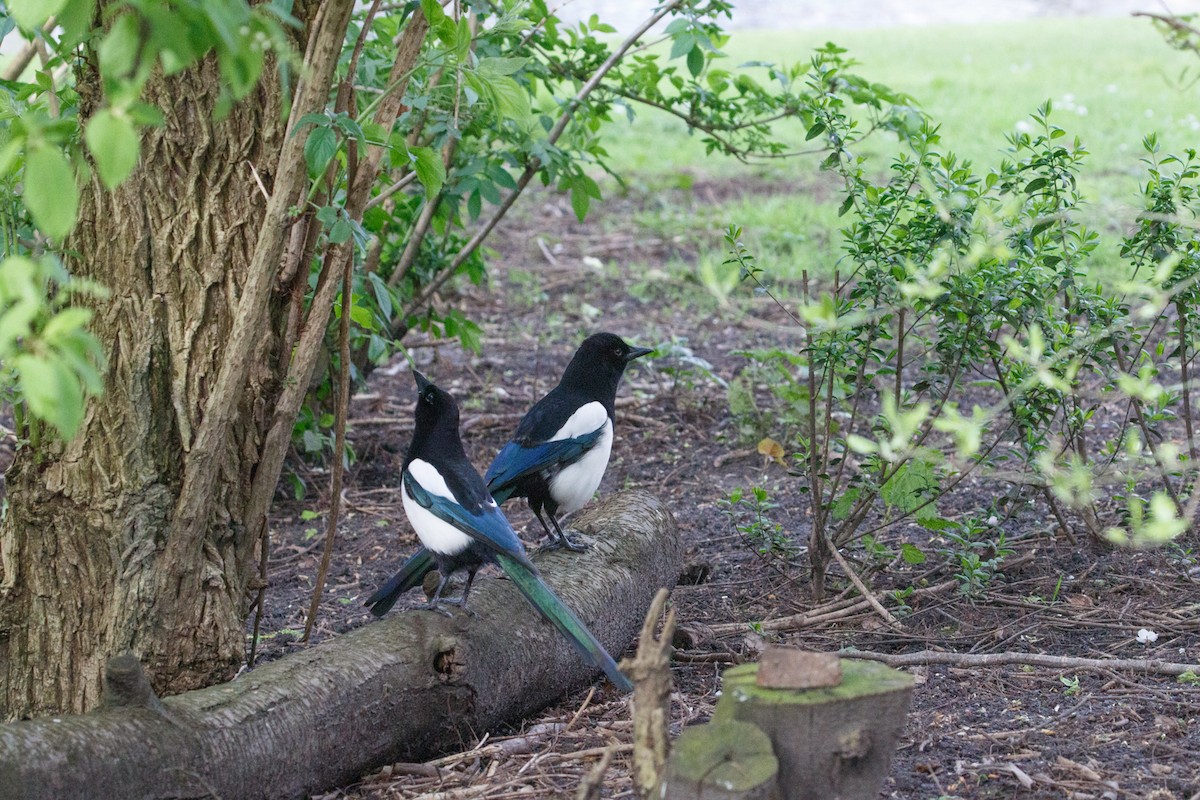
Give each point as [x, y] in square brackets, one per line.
[994, 732]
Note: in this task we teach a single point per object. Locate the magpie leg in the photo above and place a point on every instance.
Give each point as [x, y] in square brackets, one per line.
[461, 601]
[563, 541]
[537, 512]
[434, 603]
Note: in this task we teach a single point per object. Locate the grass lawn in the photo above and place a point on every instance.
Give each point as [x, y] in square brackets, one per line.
[1111, 81]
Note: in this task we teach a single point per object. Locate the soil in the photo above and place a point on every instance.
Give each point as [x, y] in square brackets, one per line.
[980, 732]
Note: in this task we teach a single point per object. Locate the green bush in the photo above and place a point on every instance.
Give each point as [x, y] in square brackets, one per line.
[962, 336]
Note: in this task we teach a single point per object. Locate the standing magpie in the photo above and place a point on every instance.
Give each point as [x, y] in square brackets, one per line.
[461, 527]
[560, 449]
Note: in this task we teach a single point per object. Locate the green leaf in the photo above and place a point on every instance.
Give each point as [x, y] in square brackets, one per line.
[433, 11]
[75, 22]
[842, 507]
[695, 61]
[119, 50]
[816, 130]
[319, 148]
[362, 317]
[114, 144]
[50, 192]
[683, 44]
[51, 391]
[910, 486]
[512, 102]
[580, 201]
[493, 67]
[911, 554]
[431, 172]
[31, 14]
[66, 322]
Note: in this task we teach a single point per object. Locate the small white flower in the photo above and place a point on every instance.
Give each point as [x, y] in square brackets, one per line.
[1023, 126]
[1146, 636]
[993, 520]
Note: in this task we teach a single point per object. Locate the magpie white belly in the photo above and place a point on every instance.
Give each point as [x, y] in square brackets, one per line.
[435, 534]
[573, 486]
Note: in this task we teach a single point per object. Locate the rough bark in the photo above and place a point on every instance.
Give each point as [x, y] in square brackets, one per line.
[400, 689]
[91, 531]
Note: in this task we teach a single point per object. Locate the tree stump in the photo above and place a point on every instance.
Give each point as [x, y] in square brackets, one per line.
[832, 743]
[726, 760]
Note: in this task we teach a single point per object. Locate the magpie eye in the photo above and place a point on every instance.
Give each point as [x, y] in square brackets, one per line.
[618, 352]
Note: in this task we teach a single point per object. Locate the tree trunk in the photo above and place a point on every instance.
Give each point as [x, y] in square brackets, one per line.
[402, 689]
[84, 547]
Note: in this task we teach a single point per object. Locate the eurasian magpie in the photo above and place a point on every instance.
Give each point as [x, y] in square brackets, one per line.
[462, 527]
[560, 449]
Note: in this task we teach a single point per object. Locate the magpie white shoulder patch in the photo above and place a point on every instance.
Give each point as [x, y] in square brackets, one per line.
[430, 479]
[588, 418]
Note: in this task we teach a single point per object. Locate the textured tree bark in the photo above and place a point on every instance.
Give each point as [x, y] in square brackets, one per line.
[90, 559]
[401, 689]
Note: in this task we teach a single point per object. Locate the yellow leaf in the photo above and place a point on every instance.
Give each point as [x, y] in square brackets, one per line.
[771, 449]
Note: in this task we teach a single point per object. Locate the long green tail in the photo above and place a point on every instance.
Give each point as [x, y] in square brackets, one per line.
[411, 574]
[549, 606]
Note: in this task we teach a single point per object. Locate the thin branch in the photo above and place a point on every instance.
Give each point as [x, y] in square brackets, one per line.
[339, 446]
[535, 164]
[1146, 665]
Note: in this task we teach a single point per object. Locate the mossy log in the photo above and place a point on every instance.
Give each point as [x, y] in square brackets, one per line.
[832, 743]
[402, 689]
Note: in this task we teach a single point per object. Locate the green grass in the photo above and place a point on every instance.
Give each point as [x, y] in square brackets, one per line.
[1111, 82]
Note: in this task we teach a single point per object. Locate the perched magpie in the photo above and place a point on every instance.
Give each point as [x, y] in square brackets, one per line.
[558, 454]
[560, 449]
[461, 527]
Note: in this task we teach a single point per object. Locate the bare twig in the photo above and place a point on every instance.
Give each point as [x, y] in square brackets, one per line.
[1146, 665]
[650, 671]
[339, 446]
[866, 593]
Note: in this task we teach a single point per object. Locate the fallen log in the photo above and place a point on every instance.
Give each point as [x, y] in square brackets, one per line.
[401, 689]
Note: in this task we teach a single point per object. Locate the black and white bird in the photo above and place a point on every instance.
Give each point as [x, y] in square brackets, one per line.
[560, 449]
[462, 528]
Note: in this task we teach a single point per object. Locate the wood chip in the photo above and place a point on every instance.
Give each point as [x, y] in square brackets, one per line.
[785, 668]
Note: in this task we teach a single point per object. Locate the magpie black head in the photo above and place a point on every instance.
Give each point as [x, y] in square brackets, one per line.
[436, 417]
[609, 350]
[600, 362]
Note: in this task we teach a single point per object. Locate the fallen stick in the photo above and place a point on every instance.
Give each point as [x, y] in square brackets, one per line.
[1146, 665]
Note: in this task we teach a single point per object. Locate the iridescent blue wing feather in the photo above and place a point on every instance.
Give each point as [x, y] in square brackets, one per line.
[489, 526]
[516, 461]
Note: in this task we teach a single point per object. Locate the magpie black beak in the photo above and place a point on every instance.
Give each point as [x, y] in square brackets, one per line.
[637, 352]
[422, 382]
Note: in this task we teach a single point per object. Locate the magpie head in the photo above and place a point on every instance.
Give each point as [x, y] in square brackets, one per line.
[435, 407]
[610, 350]
[599, 363]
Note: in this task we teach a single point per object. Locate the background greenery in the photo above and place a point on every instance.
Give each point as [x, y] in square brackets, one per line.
[1110, 81]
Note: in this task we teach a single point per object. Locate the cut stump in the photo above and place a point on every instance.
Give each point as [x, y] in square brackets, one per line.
[726, 760]
[832, 743]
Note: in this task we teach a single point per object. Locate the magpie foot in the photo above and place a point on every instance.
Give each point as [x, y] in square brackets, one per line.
[436, 606]
[562, 540]
[461, 604]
